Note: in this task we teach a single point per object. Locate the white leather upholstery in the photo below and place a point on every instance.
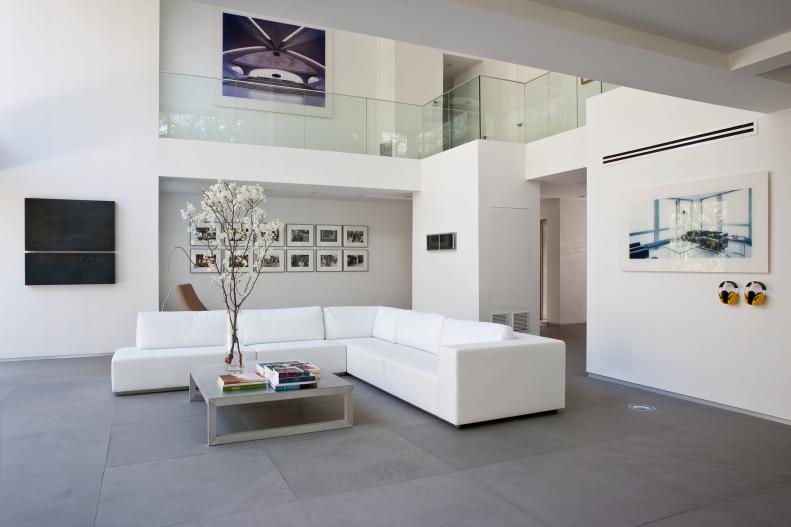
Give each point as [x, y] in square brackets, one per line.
[387, 323]
[281, 325]
[365, 358]
[181, 329]
[470, 390]
[349, 322]
[411, 374]
[420, 330]
[460, 381]
[326, 354]
[469, 332]
[135, 369]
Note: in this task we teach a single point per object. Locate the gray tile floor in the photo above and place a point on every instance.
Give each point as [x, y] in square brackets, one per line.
[73, 454]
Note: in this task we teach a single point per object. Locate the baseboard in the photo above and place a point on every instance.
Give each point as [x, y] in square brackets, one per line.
[45, 357]
[559, 325]
[689, 398]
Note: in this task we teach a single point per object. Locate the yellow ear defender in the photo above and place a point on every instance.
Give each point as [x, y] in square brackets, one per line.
[728, 292]
[755, 293]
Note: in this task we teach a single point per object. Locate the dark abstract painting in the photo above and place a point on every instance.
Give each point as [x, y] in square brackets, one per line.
[273, 61]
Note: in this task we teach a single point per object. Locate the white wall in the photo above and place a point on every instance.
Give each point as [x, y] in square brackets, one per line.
[573, 262]
[500, 70]
[566, 255]
[360, 65]
[81, 124]
[447, 282]
[557, 153]
[667, 330]
[387, 282]
[478, 191]
[509, 232]
[550, 211]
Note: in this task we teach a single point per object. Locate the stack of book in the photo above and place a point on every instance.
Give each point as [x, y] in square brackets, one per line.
[289, 375]
[242, 381]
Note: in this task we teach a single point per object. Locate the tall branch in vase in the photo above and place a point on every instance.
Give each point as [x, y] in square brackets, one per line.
[237, 236]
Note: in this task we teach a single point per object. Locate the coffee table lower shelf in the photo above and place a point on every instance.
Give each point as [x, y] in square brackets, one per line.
[203, 385]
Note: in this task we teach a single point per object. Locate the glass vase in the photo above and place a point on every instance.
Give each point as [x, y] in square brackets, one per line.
[234, 360]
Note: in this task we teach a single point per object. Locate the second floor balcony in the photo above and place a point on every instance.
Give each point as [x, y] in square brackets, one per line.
[265, 113]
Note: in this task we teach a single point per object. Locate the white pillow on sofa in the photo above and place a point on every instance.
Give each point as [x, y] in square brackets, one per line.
[349, 322]
[281, 325]
[181, 329]
[473, 332]
[420, 330]
[386, 323]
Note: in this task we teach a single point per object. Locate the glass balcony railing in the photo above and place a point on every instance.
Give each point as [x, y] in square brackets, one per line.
[211, 109]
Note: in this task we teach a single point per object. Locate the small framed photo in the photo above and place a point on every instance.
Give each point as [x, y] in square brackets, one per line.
[273, 261]
[328, 236]
[239, 234]
[329, 260]
[300, 261]
[239, 261]
[355, 261]
[203, 234]
[278, 237]
[201, 261]
[299, 235]
[355, 236]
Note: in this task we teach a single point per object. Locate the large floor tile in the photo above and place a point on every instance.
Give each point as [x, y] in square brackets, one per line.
[474, 446]
[14, 371]
[152, 440]
[769, 506]
[578, 487]
[191, 488]
[451, 500]
[89, 392]
[65, 499]
[144, 406]
[367, 457]
[592, 425]
[72, 369]
[292, 514]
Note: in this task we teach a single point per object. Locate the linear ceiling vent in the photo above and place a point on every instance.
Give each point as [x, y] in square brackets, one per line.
[684, 142]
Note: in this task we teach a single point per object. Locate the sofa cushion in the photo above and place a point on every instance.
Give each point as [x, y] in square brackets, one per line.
[328, 355]
[472, 332]
[411, 375]
[181, 329]
[365, 358]
[281, 325]
[135, 369]
[386, 323]
[420, 330]
[348, 322]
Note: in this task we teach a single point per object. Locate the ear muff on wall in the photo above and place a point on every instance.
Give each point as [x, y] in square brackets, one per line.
[728, 292]
[755, 293]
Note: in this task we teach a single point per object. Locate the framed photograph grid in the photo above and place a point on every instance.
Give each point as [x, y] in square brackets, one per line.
[296, 248]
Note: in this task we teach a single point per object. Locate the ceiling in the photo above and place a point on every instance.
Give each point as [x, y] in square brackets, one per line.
[289, 190]
[456, 64]
[571, 184]
[721, 25]
[682, 48]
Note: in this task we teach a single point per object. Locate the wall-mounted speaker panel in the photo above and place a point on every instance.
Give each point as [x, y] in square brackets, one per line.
[69, 268]
[69, 225]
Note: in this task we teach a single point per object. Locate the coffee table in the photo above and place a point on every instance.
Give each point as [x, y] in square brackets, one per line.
[203, 385]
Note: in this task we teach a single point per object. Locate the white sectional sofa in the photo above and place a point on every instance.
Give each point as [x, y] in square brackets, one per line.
[461, 371]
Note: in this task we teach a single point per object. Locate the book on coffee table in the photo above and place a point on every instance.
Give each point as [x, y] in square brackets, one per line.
[242, 381]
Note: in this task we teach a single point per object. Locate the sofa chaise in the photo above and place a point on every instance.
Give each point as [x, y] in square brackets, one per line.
[461, 371]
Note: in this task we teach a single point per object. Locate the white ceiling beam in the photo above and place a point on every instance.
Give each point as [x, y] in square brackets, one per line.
[764, 56]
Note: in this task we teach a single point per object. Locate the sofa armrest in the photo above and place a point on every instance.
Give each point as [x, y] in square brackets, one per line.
[480, 382]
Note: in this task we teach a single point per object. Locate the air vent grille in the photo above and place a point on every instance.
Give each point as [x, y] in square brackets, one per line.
[521, 321]
[501, 318]
[715, 135]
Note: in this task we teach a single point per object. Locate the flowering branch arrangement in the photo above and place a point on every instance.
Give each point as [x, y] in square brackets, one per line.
[234, 225]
